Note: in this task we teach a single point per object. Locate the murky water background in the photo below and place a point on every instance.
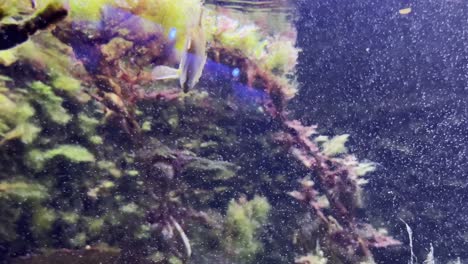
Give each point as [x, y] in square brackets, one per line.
[397, 83]
[391, 74]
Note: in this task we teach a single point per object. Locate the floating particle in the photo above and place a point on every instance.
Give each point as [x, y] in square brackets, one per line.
[235, 72]
[405, 11]
[172, 34]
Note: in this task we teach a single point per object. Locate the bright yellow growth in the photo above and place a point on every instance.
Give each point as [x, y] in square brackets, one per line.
[87, 9]
[14, 7]
[180, 15]
[282, 56]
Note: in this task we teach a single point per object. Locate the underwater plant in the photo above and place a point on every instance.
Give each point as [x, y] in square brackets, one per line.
[152, 174]
[243, 219]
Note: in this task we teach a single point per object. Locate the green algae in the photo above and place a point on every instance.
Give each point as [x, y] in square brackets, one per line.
[72, 153]
[94, 226]
[242, 224]
[17, 197]
[79, 240]
[9, 215]
[8, 57]
[110, 168]
[66, 83]
[69, 217]
[50, 103]
[97, 140]
[169, 15]
[23, 191]
[15, 120]
[87, 124]
[209, 170]
[281, 58]
[87, 9]
[42, 222]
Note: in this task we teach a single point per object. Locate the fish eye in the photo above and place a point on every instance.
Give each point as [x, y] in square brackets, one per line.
[235, 72]
[172, 34]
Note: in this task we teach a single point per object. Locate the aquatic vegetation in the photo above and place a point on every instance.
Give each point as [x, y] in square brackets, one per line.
[66, 83]
[73, 153]
[280, 57]
[7, 57]
[87, 10]
[242, 224]
[15, 120]
[23, 191]
[88, 126]
[43, 220]
[242, 37]
[314, 258]
[274, 54]
[15, 198]
[335, 145]
[50, 103]
[172, 16]
[157, 173]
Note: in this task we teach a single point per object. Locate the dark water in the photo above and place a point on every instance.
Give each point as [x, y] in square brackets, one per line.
[399, 85]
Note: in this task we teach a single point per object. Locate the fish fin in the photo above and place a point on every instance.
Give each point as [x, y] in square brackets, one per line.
[164, 73]
[185, 87]
[196, 74]
[183, 63]
[183, 59]
[200, 18]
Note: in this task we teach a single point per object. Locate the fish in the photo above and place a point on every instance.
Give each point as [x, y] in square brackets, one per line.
[192, 62]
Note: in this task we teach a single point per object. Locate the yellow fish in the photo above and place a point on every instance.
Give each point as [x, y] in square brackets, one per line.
[192, 62]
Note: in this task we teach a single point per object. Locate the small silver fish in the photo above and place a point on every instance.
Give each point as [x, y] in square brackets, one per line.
[192, 62]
